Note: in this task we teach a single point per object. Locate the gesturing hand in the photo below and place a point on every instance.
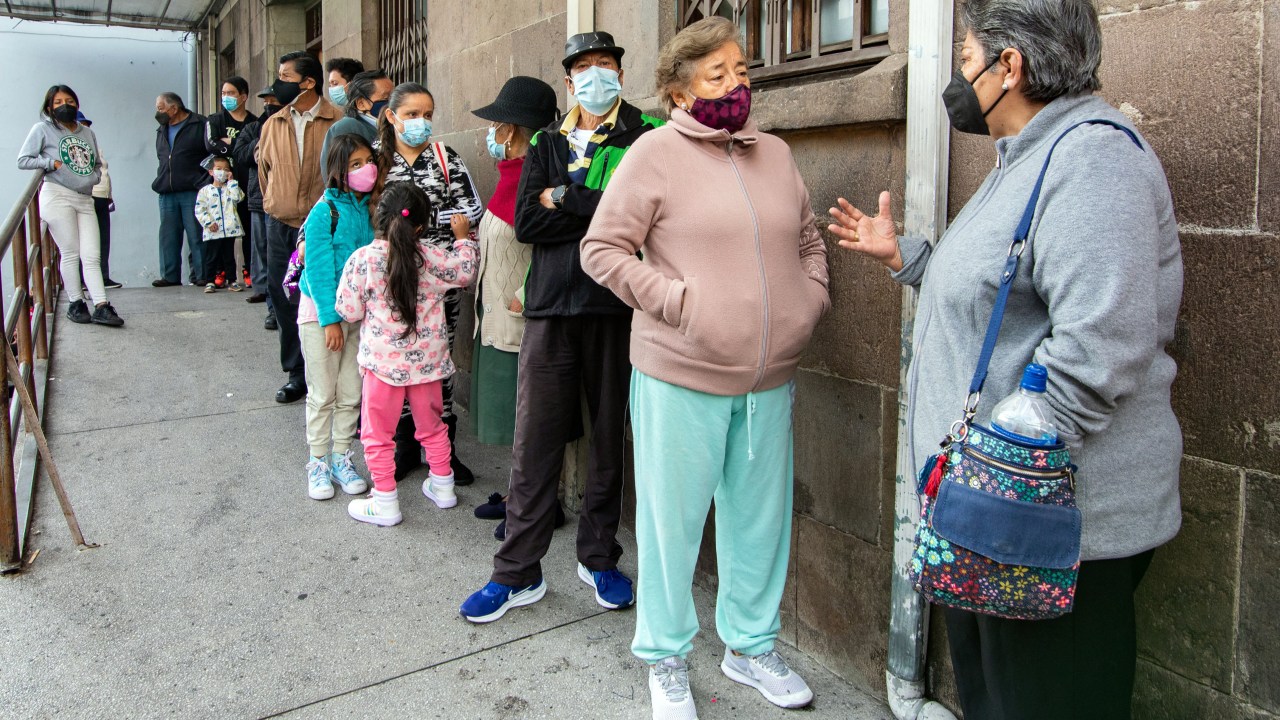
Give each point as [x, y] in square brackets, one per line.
[876, 237]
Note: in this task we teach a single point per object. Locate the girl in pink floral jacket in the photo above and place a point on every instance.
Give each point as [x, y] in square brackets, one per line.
[395, 288]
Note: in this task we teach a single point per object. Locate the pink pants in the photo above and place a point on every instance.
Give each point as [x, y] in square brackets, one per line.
[380, 408]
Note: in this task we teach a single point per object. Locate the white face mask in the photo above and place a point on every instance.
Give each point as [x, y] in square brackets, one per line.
[221, 175]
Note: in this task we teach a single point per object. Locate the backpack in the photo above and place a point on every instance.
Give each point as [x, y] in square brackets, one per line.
[293, 273]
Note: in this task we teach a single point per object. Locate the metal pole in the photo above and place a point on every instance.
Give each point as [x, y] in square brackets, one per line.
[10, 553]
[928, 145]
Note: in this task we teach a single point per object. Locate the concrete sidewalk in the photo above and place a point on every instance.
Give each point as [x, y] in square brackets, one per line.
[222, 591]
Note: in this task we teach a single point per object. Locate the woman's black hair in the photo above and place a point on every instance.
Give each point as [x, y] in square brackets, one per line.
[387, 131]
[46, 109]
[339, 157]
[402, 214]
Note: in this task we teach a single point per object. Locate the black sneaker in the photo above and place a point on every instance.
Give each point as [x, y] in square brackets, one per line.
[78, 312]
[161, 282]
[104, 314]
[110, 284]
[271, 323]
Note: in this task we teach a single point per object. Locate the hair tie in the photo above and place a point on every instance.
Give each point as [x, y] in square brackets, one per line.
[405, 212]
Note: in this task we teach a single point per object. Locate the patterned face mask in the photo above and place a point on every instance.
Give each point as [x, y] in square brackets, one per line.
[727, 113]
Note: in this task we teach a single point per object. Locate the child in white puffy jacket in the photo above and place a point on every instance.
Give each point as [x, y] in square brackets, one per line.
[216, 211]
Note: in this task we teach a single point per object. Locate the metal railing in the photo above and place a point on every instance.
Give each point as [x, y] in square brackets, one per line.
[28, 317]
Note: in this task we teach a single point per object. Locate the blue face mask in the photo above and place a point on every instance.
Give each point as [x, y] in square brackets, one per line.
[496, 149]
[229, 102]
[416, 131]
[597, 89]
[338, 94]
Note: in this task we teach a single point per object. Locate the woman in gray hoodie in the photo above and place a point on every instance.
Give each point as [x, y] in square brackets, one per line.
[66, 151]
[1094, 300]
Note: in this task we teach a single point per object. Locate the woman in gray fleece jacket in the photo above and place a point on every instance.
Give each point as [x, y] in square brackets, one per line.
[1094, 300]
[66, 151]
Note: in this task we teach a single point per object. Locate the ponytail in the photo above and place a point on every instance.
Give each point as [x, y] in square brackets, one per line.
[403, 212]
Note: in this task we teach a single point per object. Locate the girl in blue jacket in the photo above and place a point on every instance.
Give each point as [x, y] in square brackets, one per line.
[337, 225]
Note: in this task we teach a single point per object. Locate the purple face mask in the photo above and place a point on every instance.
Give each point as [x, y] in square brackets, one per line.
[727, 113]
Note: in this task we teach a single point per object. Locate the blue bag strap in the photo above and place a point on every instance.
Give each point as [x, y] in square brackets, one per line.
[1010, 271]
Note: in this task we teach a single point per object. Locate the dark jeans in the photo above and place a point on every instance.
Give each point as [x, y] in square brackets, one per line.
[258, 268]
[101, 209]
[246, 240]
[220, 256]
[178, 215]
[560, 358]
[280, 245]
[1080, 665]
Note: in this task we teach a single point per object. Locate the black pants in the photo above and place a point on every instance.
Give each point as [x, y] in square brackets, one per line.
[246, 240]
[1076, 667]
[220, 257]
[560, 358]
[280, 245]
[101, 208]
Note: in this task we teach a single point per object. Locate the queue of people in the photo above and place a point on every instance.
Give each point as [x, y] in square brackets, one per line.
[671, 274]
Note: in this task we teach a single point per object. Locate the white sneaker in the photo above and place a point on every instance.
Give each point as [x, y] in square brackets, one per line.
[319, 481]
[378, 509]
[669, 691]
[768, 673]
[440, 490]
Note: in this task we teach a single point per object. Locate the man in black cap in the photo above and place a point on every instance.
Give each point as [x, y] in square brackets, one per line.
[576, 339]
[243, 151]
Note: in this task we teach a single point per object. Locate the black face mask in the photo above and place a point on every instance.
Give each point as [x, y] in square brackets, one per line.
[378, 107]
[269, 109]
[286, 92]
[162, 117]
[65, 113]
[962, 104]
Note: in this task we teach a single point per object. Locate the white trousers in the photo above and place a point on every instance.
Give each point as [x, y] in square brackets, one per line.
[74, 227]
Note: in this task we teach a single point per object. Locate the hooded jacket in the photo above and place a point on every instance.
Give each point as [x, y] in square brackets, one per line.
[1095, 300]
[734, 276]
[329, 247]
[244, 154]
[556, 284]
[49, 142]
[179, 166]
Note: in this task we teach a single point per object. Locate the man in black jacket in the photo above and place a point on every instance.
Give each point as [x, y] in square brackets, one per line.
[219, 136]
[179, 177]
[576, 339]
[242, 152]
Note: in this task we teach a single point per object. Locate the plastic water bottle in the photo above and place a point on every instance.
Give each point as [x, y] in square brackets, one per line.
[1025, 415]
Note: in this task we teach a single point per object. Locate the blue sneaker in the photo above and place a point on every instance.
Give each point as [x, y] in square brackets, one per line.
[494, 600]
[613, 589]
[344, 473]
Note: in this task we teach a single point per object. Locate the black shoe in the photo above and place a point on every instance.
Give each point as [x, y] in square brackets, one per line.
[104, 314]
[408, 449]
[256, 298]
[500, 532]
[292, 391]
[78, 312]
[495, 509]
[110, 284]
[270, 323]
[161, 282]
[462, 474]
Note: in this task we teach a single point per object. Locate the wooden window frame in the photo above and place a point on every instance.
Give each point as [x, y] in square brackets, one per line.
[775, 63]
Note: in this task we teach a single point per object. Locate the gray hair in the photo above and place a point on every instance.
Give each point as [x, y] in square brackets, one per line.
[172, 98]
[1060, 42]
[679, 58]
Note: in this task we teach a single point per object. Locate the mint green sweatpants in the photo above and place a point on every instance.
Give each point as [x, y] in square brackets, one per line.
[690, 448]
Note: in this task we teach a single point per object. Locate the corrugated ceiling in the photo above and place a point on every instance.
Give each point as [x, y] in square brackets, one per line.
[160, 14]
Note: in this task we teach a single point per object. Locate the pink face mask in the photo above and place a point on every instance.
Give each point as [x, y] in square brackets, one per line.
[727, 113]
[364, 179]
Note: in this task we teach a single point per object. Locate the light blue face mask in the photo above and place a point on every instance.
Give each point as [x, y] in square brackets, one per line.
[597, 89]
[338, 94]
[416, 131]
[229, 102]
[496, 149]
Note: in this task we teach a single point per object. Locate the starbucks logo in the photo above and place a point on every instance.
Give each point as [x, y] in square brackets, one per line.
[77, 155]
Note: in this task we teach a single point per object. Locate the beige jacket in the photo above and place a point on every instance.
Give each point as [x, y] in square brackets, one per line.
[503, 264]
[734, 275]
[291, 185]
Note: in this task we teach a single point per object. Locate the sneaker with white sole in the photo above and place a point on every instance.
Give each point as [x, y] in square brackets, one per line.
[613, 589]
[440, 490]
[344, 473]
[380, 508]
[319, 481]
[770, 674]
[669, 691]
[494, 600]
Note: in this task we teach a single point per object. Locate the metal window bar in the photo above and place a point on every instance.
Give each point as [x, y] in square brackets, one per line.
[27, 324]
[403, 47]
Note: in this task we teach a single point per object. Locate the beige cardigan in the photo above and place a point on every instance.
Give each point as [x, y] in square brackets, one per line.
[503, 264]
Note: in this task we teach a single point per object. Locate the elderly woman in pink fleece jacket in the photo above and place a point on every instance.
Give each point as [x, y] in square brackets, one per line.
[733, 281]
